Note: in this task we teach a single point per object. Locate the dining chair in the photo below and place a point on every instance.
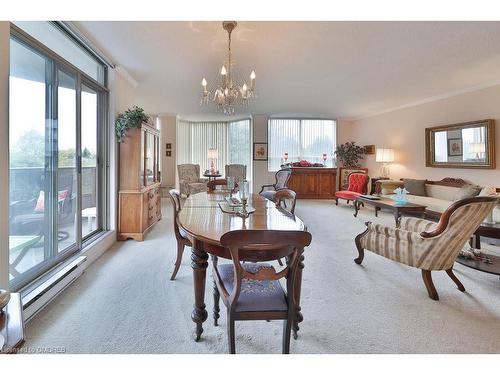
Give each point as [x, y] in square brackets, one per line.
[281, 178]
[180, 235]
[284, 195]
[427, 245]
[251, 290]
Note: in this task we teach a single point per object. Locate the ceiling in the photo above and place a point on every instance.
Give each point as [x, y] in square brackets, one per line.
[338, 69]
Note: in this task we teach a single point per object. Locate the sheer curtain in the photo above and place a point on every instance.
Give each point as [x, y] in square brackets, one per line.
[232, 139]
[305, 139]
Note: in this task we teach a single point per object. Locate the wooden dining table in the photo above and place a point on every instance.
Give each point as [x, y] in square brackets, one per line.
[205, 223]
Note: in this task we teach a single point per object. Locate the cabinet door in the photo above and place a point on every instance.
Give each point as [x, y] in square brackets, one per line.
[295, 183]
[309, 185]
[326, 184]
[150, 158]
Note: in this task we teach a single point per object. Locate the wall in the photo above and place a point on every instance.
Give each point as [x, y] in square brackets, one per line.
[260, 174]
[168, 163]
[403, 130]
[4, 154]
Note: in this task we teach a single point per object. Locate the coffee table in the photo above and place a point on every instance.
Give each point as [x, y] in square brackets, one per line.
[398, 209]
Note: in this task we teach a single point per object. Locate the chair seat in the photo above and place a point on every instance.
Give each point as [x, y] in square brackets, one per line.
[255, 295]
[345, 194]
[269, 194]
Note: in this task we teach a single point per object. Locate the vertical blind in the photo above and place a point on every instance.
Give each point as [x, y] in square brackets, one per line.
[232, 139]
[302, 139]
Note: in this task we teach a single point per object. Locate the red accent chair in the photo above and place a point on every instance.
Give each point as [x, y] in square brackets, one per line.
[358, 184]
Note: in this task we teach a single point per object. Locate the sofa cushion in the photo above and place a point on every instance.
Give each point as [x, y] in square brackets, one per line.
[441, 192]
[432, 204]
[467, 191]
[415, 187]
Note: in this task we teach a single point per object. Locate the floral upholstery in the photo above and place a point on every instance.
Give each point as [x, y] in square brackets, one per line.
[255, 295]
[406, 245]
[238, 171]
[189, 179]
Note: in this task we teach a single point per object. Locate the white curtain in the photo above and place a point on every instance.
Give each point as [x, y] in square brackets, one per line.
[232, 139]
[302, 139]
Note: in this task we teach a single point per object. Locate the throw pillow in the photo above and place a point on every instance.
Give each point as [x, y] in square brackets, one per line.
[467, 191]
[415, 187]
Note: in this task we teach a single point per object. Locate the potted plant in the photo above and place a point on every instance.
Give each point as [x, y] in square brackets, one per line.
[349, 154]
[131, 118]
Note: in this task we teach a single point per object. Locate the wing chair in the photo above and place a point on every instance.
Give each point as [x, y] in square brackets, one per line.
[189, 179]
[358, 184]
[281, 177]
[427, 245]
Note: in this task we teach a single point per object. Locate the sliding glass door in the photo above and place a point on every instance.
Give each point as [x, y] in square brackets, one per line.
[55, 118]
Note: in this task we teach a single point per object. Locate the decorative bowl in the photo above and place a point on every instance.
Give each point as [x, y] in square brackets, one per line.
[4, 298]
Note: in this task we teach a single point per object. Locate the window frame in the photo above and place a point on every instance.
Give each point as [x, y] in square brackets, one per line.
[300, 119]
[58, 63]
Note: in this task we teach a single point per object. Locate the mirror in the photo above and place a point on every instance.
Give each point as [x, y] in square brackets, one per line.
[465, 145]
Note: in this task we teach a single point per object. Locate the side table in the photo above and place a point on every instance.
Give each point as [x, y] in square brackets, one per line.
[373, 183]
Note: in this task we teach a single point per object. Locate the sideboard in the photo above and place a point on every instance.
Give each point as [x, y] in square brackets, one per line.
[313, 182]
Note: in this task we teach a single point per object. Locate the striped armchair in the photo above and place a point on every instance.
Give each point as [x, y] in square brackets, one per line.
[427, 245]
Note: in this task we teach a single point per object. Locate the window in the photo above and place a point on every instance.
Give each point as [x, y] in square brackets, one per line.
[302, 139]
[55, 119]
[232, 139]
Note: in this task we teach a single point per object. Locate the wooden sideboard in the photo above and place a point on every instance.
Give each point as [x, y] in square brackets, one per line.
[313, 182]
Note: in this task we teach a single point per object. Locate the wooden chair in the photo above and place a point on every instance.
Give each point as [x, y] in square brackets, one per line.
[281, 177]
[182, 239]
[426, 245]
[252, 291]
[358, 184]
[284, 195]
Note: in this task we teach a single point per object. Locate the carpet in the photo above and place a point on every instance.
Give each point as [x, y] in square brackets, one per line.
[125, 302]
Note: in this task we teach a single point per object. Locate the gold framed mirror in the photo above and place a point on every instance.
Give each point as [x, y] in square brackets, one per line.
[464, 145]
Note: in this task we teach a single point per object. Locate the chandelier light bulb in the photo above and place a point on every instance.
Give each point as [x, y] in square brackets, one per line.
[204, 82]
[252, 75]
[223, 70]
[244, 87]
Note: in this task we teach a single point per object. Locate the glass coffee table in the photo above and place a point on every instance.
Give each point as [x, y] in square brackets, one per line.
[398, 209]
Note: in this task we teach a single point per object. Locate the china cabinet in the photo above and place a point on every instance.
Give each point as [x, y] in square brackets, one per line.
[139, 206]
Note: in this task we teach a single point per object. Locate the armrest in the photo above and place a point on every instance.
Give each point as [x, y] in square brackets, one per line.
[203, 179]
[265, 186]
[414, 224]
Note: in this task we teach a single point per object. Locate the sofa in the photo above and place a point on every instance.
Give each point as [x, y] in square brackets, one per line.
[439, 195]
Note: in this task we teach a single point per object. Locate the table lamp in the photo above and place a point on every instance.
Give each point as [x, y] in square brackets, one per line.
[385, 156]
[212, 156]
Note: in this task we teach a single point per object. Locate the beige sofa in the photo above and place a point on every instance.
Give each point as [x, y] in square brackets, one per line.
[439, 194]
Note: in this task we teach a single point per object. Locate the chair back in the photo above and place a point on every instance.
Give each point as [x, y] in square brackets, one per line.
[358, 182]
[455, 227]
[284, 195]
[238, 171]
[265, 245]
[175, 196]
[189, 172]
[282, 177]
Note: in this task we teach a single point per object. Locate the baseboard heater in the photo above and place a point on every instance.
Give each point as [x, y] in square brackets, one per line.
[36, 299]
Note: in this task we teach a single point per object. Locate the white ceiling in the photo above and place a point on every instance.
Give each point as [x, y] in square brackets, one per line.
[339, 69]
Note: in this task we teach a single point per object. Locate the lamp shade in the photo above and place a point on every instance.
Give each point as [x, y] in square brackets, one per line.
[478, 147]
[385, 155]
[212, 153]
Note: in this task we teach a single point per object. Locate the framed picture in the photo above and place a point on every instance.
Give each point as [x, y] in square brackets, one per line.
[168, 146]
[369, 149]
[168, 153]
[260, 151]
[455, 147]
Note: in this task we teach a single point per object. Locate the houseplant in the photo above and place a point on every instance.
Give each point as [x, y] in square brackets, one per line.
[131, 118]
[349, 154]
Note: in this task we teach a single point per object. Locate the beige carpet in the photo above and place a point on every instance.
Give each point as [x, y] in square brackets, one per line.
[125, 303]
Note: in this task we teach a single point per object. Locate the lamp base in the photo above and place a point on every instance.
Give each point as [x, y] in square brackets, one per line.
[384, 170]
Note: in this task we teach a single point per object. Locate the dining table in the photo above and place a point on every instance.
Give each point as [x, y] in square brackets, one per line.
[204, 222]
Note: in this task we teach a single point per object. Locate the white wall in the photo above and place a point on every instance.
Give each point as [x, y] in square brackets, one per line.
[4, 154]
[403, 130]
[168, 164]
[260, 174]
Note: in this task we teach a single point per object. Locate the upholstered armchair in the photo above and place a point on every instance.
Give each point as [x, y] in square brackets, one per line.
[427, 245]
[268, 191]
[238, 171]
[189, 179]
[358, 184]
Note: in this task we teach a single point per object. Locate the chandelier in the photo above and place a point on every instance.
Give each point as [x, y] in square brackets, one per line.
[228, 93]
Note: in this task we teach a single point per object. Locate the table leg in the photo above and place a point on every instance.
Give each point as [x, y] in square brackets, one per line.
[199, 265]
[356, 208]
[298, 286]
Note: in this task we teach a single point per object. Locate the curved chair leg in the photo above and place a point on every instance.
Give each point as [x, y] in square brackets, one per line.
[230, 334]
[336, 201]
[216, 304]
[361, 251]
[455, 279]
[180, 250]
[431, 290]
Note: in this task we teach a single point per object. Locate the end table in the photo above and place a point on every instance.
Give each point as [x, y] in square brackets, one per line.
[374, 180]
